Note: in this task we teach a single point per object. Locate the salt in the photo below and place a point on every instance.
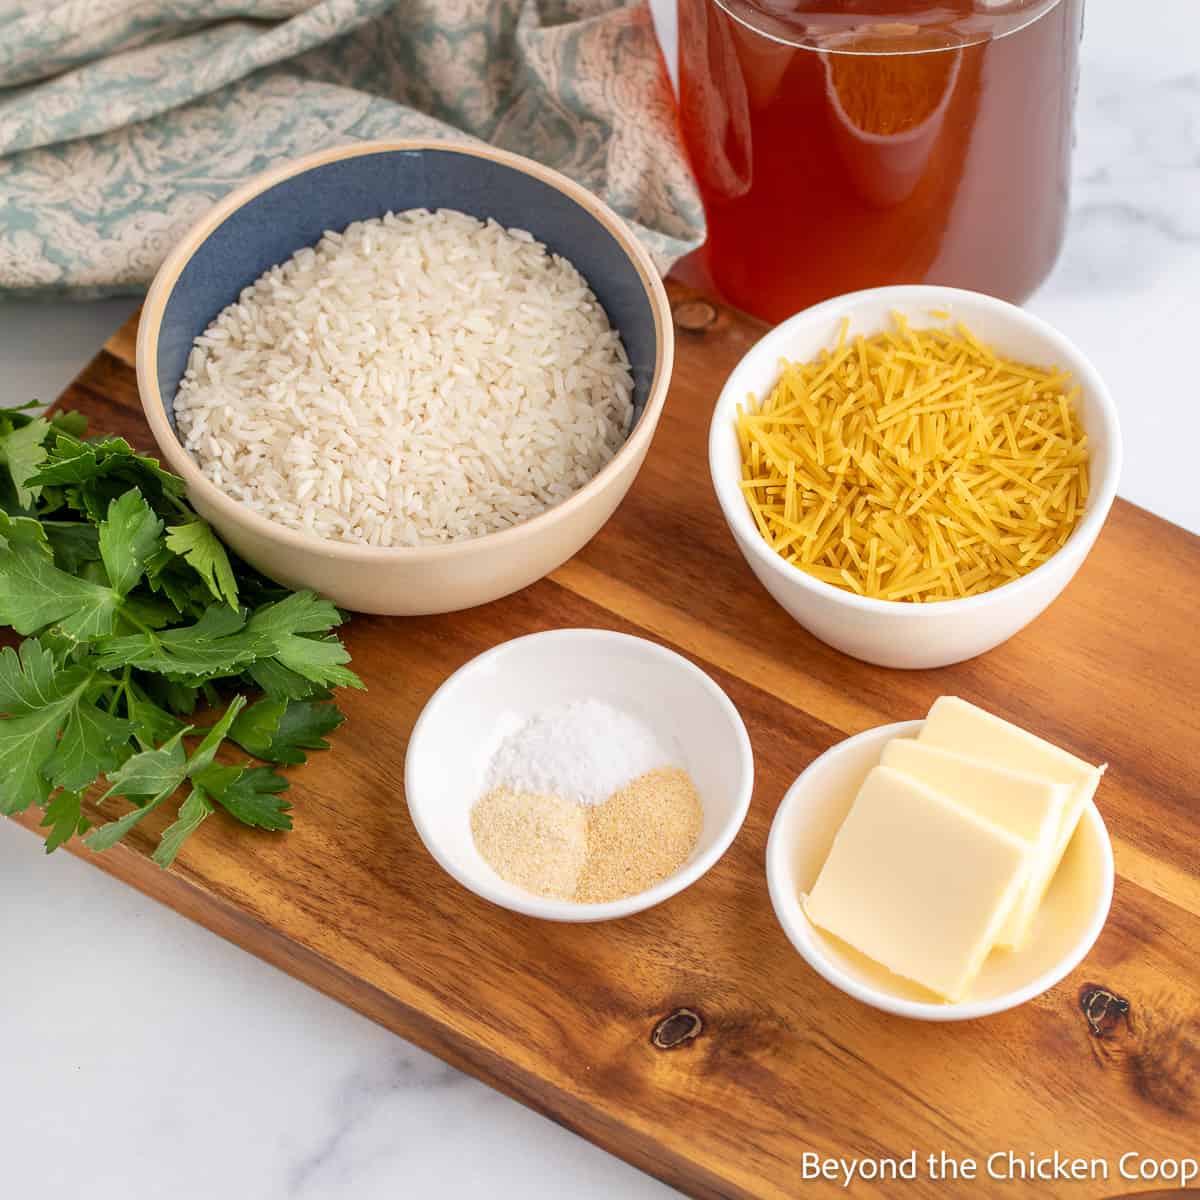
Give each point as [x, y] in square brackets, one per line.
[582, 752]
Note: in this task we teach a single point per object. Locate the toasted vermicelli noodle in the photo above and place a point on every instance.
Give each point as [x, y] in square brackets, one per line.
[915, 464]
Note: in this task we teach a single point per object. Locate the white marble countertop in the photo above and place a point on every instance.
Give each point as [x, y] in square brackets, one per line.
[141, 1056]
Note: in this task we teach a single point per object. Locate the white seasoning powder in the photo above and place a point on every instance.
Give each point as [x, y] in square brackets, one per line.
[583, 752]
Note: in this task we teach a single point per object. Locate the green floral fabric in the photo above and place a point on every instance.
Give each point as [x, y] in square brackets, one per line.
[121, 121]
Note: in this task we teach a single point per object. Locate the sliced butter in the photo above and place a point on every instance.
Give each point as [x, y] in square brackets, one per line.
[953, 724]
[919, 884]
[1030, 807]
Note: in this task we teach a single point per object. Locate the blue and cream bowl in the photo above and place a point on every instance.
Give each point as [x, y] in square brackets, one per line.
[268, 219]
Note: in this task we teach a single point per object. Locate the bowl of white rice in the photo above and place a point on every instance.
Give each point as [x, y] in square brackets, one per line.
[415, 377]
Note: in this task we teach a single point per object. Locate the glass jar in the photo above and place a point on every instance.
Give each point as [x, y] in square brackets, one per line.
[843, 144]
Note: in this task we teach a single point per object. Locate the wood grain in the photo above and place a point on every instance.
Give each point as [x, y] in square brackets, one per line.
[565, 1018]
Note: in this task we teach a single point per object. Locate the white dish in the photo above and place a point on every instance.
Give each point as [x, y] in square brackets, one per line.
[266, 220]
[894, 633]
[482, 702]
[1065, 929]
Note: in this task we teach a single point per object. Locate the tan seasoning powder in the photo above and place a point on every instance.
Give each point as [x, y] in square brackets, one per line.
[536, 842]
[589, 854]
[640, 835]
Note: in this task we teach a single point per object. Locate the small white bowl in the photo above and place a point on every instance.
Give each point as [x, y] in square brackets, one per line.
[482, 702]
[893, 633]
[1065, 929]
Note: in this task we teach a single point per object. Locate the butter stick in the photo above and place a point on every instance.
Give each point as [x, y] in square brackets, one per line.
[1030, 807]
[954, 724]
[918, 883]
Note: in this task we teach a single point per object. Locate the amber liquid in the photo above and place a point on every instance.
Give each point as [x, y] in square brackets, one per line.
[844, 144]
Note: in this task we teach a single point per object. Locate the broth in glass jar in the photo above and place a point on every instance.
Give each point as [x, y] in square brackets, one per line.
[844, 144]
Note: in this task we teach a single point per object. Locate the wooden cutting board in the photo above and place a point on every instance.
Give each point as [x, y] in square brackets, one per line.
[587, 1024]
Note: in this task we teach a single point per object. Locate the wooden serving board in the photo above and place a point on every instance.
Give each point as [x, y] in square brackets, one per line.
[587, 1024]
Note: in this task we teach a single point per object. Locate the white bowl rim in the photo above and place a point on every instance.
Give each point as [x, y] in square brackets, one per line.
[183, 464]
[789, 914]
[1100, 498]
[531, 904]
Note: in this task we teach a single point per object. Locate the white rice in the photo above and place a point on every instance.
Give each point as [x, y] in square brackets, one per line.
[420, 378]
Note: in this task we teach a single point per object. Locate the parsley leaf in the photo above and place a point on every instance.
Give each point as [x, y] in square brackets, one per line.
[73, 544]
[128, 536]
[69, 422]
[320, 660]
[23, 451]
[92, 743]
[192, 813]
[251, 794]
[152, 771]
[280, 683]
[280, 731]
[280, 626]
[224, 642]
[198, 545]
[208, 647]
[148, 779]
[96, 473]
[26, 678]
[28, 741]
[34, 593]
[64, 819]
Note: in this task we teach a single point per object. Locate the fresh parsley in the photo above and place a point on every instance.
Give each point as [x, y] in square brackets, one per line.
[133, 615]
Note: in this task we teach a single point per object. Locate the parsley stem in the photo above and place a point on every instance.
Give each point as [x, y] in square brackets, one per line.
[140, 626]
[121, 689]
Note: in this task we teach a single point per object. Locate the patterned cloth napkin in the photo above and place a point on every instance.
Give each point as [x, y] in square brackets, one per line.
[121, 121]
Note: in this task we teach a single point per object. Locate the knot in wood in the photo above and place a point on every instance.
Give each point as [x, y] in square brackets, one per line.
[694, 316]
[1103, 1009]
[683, 1025]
